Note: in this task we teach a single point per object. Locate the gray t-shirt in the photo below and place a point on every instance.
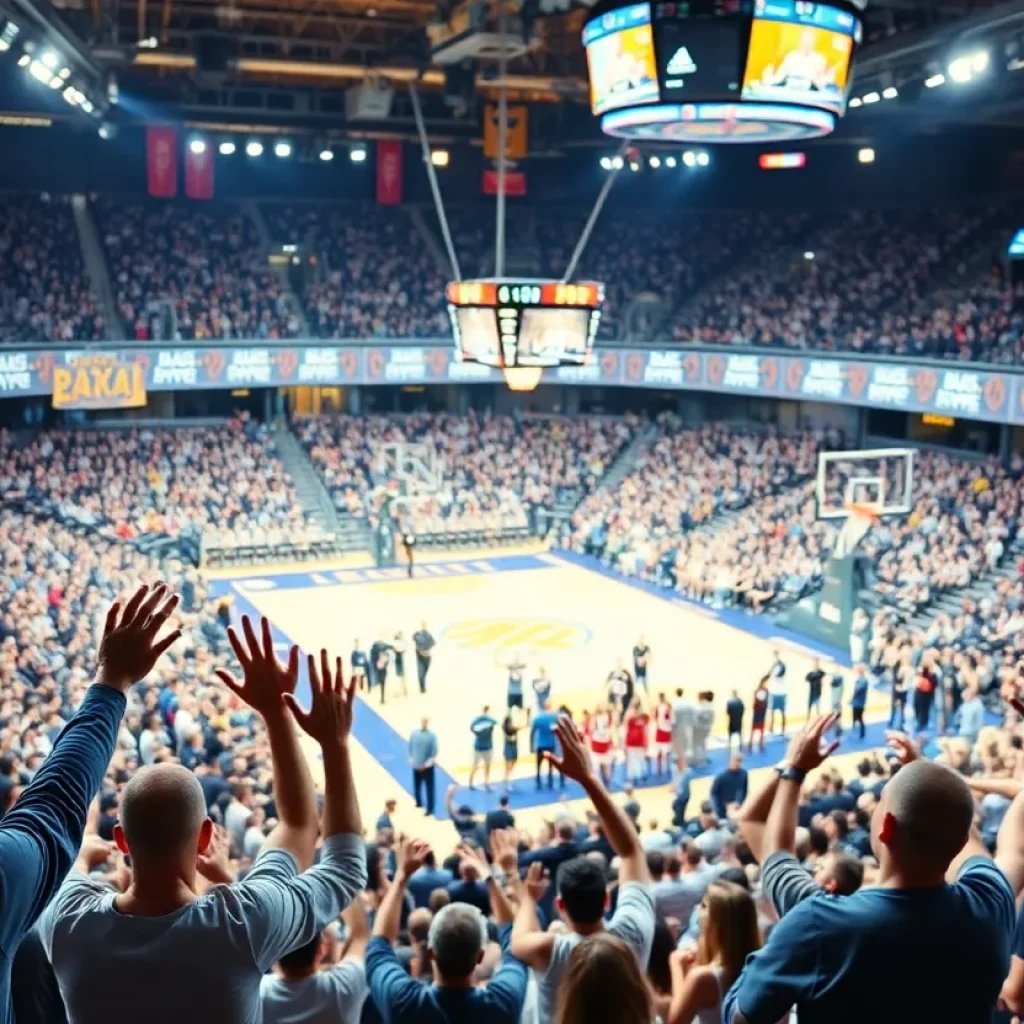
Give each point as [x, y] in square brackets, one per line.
[326, 997]
[676, 897]
[786, 882]
[633, 922]
[204, 961]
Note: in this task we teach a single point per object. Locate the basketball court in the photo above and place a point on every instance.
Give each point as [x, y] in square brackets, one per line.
[556, 610]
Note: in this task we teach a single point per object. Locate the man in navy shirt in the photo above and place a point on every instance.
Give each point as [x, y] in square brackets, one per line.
[482, 727]
[426, 879]
[542, 739]
[931, 941]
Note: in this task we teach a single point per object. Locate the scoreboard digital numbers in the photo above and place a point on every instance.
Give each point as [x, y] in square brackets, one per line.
[509, 324]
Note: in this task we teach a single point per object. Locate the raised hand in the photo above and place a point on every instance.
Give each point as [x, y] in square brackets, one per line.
[130, 648]
[905, 749]
[411, 854]
[214, 864]
[266, 680]
[536, 882]
[329, 718]
[94, 852]
[504, 851]
[575, 761]
[809, 749]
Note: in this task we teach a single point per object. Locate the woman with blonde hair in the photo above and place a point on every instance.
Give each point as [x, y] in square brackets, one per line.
[701, 977]
[602, 983]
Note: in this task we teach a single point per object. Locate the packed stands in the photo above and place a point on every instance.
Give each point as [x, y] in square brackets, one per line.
[44, 289]
[192, 272]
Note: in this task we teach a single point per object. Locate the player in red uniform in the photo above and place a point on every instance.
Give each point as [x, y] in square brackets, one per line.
[664, 720]
[600, 737]
[760, 713]
[637, 721]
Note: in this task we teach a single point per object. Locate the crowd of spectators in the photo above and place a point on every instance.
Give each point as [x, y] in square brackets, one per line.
[221, 484]
[44, 289]
[192, 272]
[488, 473]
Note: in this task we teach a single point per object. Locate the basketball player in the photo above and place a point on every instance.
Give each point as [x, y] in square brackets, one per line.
[664, 720]
[620, 690]
[637, 721]
[398, 649]
[542, 688]
[424, 654]
[759, 713]
[510, 729]
[602, 725]
[482, 727]
[641, 659]
[514, 693]
[408, 542]
[359, 665]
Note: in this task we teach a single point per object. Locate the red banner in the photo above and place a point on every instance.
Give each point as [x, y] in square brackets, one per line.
[162, 162]
[199, 173]
[515, 183]
[389, 172]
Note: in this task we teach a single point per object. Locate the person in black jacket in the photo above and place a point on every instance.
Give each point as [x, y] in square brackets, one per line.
[425, 643]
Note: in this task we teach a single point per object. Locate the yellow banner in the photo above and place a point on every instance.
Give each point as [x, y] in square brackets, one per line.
[99, 382]
[517, 141]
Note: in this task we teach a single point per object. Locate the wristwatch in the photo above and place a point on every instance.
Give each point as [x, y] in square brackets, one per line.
[791, 774]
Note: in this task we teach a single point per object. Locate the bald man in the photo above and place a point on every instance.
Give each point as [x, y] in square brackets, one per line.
[931, 941]
[161, 951]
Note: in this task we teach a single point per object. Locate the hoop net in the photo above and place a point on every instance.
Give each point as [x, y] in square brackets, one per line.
[860, 517]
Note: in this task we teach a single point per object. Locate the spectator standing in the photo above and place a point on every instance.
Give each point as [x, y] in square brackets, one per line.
[970, 716]
[544, 743]
[703, 722]
[501, 818]
[426, 879]
[482, 727]
[424, 642]
[602, 982]
[683, 711]
[734, 716]
[779, 691]
[729, 786]
[859, 700]
[423, 758]
[814, 684]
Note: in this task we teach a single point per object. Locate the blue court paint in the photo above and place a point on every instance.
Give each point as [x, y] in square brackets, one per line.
[390, 749]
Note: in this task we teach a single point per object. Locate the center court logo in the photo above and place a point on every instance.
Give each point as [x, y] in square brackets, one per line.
[548, 634]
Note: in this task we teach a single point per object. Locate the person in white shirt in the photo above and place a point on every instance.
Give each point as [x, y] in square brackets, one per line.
[778, 690]
[309, 987]
[163, 952]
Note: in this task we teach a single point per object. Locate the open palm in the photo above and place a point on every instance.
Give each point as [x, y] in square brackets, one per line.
[265, 680]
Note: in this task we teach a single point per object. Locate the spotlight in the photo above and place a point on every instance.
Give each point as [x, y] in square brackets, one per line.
[23, 60]
[866, 155]
[56, 82]
[703, 159]
[50, 60]
[71, 95]
[254, 148]
[961, 69]
[326, 155]
[617, 163]
[439, 157]
[107, 131]
[65, 73]
[197, 146]
[86, 106]
[871, 97]
[979, 62]
[890, 93]
[670, 162]
[40, 72]
[226, 148]
[690, 158]
[282, 150]
[634, 166]
[8, 35]
[855, 101]
[934, 81]
[808, 255]
[606, 163]
[357, 154]
[655, 162]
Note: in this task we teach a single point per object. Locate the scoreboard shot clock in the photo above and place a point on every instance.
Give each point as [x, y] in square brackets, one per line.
[523, 326]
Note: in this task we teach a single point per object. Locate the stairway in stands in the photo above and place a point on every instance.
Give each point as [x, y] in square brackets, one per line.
[351, 534]
[95, 260]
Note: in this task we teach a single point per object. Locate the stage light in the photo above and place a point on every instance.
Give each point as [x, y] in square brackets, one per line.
[690, 158]
[71, 95]
[56, 82]
[326, 155]
[8, 35]
[670, 162]
[439, 157]
[890, 93]
[934, 81]
[606, 163]
[254, 148]
[703, 159]
[65, 73]
[40, 72]
[617, 163]
[50, 60]
[197, 146]
[107, 131]
[634, 166]
[23, 60]
[357, 155]
[808, 255]
[855, 102]
[87, 106]
[282, 150]
[866, 155]
[979, 62]
[871, 97]
[655, 162]
[960, 70]
[226, 148]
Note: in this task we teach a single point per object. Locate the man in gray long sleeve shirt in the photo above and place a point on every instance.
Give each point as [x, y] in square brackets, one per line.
[160, 952]
[423, 757]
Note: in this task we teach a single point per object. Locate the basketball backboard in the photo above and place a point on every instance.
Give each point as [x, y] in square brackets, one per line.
[878, 479]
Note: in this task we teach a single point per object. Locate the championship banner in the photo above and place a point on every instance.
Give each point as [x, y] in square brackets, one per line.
[199, 173]
[515, 183]
[99, 382]
[389, 172]
[517, 136]
[162, 162]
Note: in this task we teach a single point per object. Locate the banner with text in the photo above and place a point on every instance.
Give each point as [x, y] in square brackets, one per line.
[162, 162]
[98, 380]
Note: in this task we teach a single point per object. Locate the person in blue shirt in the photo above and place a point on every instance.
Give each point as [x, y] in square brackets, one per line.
[543, 740]
[455, 945]
[514, 694]
[542, 688]
[427, 878]
[41, 835]
[482, 727]
[930, 941]
[859, 701]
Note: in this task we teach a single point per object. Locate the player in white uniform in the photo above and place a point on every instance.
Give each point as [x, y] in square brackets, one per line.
[664, 720]
[602, 724]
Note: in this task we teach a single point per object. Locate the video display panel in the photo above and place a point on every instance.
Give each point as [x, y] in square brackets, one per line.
[478, 334]
[547, 336]
[620, 59]
[799, 52]
[698, 58]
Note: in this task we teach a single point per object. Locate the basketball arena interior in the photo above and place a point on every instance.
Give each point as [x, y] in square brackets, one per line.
[511, 510]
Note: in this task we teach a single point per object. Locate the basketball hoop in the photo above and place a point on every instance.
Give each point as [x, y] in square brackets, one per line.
[860, 517]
